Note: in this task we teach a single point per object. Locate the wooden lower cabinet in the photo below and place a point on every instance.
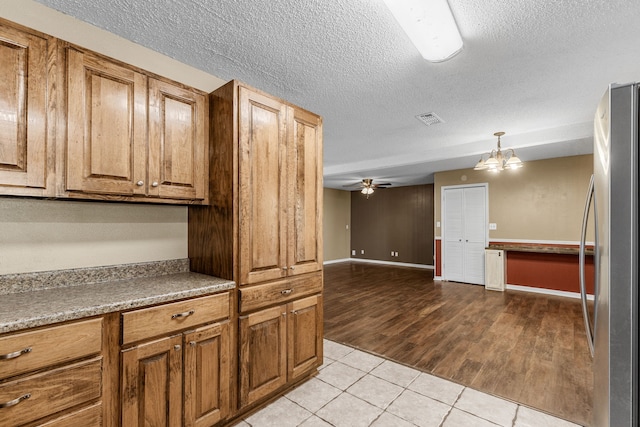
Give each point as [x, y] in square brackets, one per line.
[181, 379]
[53, 375]
[152, 383]
[277, 346]
[263, 355]
[305, 330]
[206, 375]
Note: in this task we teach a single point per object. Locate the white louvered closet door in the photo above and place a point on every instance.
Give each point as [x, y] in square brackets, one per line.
[465, 233]
[474, 234]
[453, 251]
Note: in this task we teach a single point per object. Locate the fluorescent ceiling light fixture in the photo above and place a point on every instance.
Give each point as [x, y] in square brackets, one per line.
[430, 26]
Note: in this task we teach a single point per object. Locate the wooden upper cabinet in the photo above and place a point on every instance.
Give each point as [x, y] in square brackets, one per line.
[262, 187]
[280, 191]
[132, 135]
[305, 171]
[25, 167]
[106, 126]
[177, 130]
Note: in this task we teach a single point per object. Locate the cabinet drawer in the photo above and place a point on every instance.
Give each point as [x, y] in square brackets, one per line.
[43, 394]
[33, 350]
[255, 297]
[89, 416]
[167, 318]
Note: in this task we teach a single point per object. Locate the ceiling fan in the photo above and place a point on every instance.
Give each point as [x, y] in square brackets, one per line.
[367, 186]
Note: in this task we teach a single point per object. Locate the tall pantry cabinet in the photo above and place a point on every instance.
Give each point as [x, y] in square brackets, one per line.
[263, 229]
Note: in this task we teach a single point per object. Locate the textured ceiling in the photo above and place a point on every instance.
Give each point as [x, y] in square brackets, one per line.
[535, 69]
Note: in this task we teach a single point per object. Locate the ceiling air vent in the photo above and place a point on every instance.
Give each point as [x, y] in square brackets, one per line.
[429, 118]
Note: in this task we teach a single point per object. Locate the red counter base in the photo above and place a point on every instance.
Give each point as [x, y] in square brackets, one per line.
[558, 272]
[544, 269]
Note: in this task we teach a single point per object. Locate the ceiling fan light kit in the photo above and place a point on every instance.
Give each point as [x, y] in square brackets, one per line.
[367, 187]
[498, 160]
[430, 26]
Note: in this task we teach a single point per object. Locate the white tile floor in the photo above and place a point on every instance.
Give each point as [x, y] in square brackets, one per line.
[355, 388]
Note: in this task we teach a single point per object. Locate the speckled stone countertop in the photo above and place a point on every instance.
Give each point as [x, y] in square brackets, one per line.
[73, 294]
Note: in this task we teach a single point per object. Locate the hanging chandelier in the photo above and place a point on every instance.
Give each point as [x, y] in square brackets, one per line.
[498, 160]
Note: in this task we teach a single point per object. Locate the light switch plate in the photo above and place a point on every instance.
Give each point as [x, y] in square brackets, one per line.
[493, 226]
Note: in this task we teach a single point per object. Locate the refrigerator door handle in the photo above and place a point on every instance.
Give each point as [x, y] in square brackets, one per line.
[583, 286]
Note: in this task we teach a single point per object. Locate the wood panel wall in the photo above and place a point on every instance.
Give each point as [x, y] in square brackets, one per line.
[394, 219]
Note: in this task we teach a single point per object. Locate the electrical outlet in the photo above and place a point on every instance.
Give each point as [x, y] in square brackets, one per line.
[396, 254]
[353, 252]
[392, 253]
[347, 226]
[361, 251]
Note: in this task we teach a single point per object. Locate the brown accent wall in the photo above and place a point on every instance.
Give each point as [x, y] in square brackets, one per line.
[394, 219]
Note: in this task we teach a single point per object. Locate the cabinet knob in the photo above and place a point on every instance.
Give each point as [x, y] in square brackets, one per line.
[154, 184]
[284, 268]
[286, 291]
[176, 347]
[292, 267]
[140, 183]
[192, 343]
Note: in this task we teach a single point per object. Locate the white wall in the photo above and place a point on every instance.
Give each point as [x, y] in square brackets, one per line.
[40, 235]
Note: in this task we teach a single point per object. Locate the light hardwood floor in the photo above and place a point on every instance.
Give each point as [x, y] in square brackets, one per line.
[526, 347]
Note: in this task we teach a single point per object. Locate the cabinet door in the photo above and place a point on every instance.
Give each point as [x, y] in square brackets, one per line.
[263, 354]
[465, 235]
[305, 332]
[23, 95]
[262, 188]
[106, 126]
[152, 383]
[177, 138]
[305, 185]
[475, 234]
[206, 375]
[453, 227]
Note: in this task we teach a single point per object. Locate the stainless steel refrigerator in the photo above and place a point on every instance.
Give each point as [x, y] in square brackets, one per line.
[612, 325]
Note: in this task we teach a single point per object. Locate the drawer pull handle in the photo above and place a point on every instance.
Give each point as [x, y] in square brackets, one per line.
[286, 291]
[185, 314]
[15, 354]
[15, 401]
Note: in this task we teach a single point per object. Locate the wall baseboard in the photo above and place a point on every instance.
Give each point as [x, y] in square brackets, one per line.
[336, 261]
[375, 261]
[547, 291]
